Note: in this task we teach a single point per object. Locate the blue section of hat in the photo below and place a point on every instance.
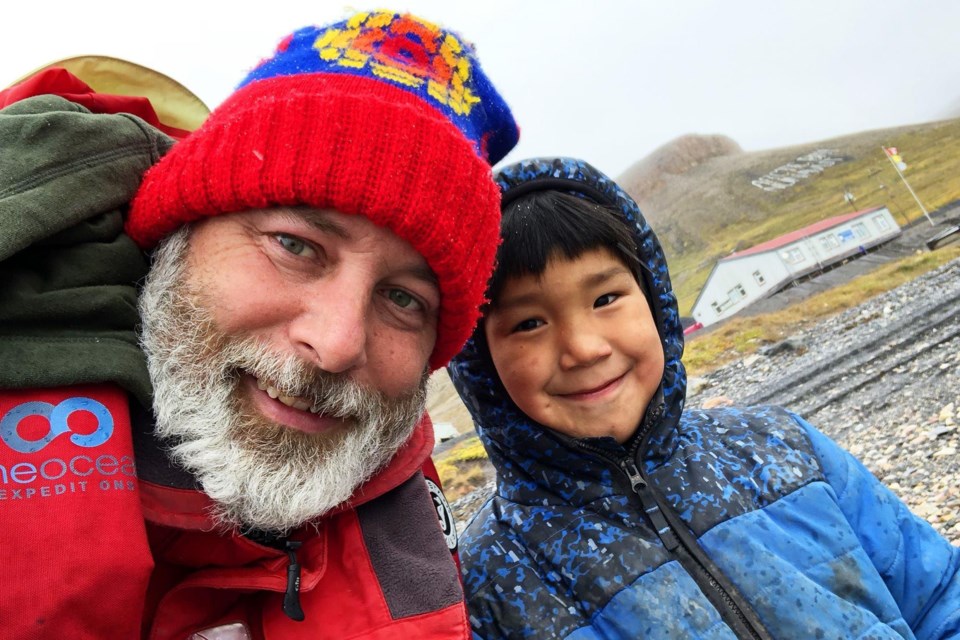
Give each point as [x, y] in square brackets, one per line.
[432, 63]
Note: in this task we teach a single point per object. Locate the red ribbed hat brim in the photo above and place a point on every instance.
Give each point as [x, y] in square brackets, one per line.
[348, 143]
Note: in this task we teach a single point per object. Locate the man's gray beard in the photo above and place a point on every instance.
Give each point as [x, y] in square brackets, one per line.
[258, 473]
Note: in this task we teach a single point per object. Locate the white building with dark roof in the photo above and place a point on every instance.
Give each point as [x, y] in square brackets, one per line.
[746, 276]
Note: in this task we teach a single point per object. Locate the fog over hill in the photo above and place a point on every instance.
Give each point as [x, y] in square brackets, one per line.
[952, 111]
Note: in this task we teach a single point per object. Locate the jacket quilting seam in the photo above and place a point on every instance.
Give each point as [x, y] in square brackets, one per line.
[896, 557]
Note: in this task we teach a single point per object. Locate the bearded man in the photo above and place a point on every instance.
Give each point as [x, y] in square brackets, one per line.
[316, 248]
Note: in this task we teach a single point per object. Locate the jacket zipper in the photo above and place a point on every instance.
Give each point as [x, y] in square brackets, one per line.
[650, 506]
[291, 598]
[673, 541]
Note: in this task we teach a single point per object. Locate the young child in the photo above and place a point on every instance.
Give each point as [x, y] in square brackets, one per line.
[619, 515]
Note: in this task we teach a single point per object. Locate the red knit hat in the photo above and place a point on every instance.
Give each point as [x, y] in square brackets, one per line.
[383, 115]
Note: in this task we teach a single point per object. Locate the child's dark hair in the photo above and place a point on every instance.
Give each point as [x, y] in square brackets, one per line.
[543, 224]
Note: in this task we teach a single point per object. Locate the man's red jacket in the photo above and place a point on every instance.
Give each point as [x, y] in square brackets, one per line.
[102, 537]
[95, 552]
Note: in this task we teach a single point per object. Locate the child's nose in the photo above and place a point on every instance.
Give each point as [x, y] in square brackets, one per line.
[582, 348]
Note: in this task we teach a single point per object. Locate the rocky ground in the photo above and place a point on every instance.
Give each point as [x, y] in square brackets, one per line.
[881, 379]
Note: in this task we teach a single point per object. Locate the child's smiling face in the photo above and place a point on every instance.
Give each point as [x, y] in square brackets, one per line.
[577, 347]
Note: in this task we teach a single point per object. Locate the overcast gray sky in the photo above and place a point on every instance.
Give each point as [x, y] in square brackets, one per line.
[605, 80]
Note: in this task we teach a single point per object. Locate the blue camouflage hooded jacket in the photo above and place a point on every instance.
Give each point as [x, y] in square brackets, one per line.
[727, 523]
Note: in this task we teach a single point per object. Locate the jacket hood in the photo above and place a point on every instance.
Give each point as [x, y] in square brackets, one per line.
[526, 454]
[68, 273]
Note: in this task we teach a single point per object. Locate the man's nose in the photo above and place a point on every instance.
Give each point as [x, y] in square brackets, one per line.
[581, 347]
[331, 329]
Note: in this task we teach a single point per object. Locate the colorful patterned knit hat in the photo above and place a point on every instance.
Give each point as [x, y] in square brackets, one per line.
[382, 115]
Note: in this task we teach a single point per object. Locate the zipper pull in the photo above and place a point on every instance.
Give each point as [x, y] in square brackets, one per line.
[291, 599]
[650, 506]
[633, 474]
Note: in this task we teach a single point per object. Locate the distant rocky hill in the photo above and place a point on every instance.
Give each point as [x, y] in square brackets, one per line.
[650, 175]
[705, 197]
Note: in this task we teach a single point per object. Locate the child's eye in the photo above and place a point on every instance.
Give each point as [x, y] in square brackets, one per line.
[403, 299]
[605, 299]
[295, 245]
[528, 325]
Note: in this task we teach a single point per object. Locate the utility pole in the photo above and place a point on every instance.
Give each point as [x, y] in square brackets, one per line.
[850, 198]
[893, 200]
[909, 188]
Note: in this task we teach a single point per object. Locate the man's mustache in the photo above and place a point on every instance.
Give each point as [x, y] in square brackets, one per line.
[333, 394]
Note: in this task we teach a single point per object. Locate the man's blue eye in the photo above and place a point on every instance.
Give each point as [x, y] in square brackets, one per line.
[293, 244]
[401, 298]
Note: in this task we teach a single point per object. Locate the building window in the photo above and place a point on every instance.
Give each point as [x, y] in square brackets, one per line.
[759, 277]
[829, 242]
[733, 296]
[881, 222]
[860, 229]
[792, 256]
[736, 294]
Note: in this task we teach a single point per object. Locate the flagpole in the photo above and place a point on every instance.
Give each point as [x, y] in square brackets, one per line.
[909, 188]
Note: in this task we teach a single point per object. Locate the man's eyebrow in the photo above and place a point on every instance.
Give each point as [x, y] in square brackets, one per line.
[316, 219]
[320, 221]
[425, 273]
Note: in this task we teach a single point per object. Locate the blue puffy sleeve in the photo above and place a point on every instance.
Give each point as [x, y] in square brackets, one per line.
[920, 568]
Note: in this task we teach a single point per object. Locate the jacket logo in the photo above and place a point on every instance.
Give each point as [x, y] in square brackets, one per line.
[444, 515]
[58, 416]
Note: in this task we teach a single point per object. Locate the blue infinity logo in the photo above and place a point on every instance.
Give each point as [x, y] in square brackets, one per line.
[58, 416]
